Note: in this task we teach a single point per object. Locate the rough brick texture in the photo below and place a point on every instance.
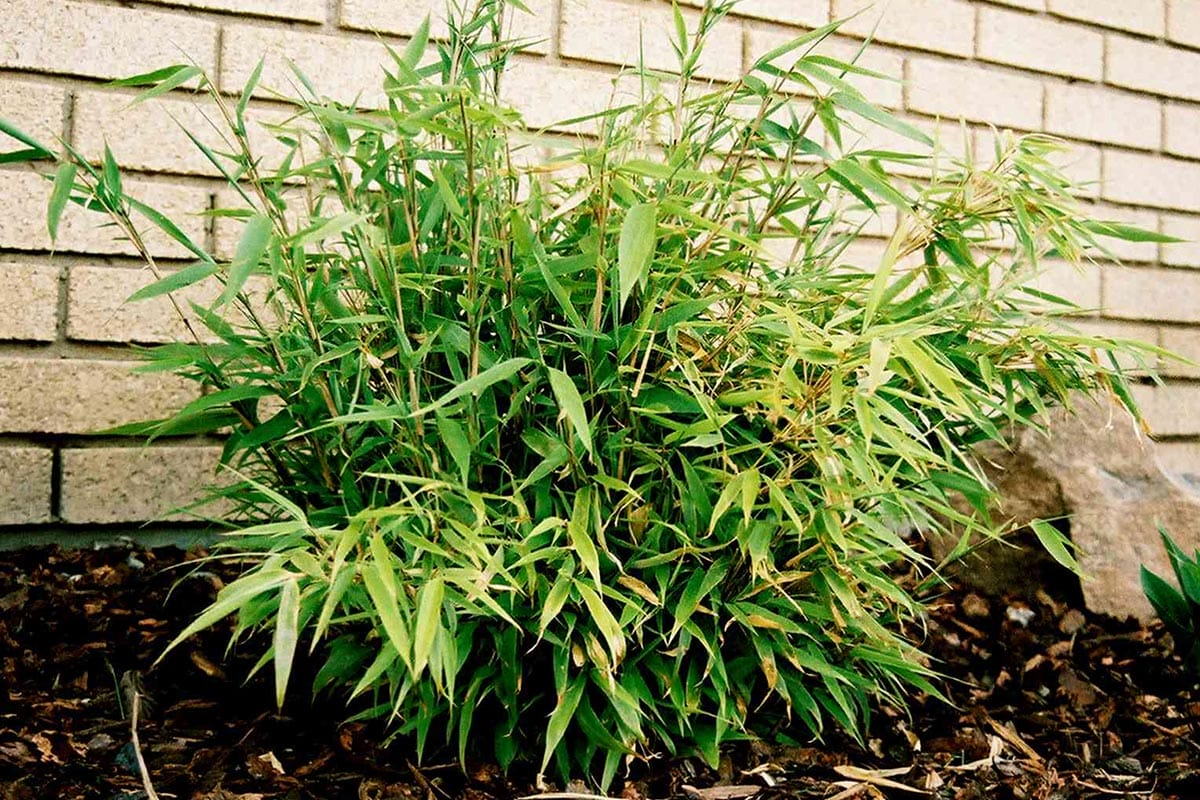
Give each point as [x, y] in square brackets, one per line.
[941, 26]
[31, 308]
[1010, 37]
[25, 485]
[100, 41]
[1083, 111]
[620, 32]
[1136, 16]
[50, 395]
[131, 484]
[954, 90]
[1119, 80]
[97, 310]
[1152, 67]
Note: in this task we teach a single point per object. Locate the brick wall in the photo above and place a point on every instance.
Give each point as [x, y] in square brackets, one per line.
[1120, 78]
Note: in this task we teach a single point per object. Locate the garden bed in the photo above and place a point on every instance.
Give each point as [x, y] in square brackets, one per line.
[1050, 702]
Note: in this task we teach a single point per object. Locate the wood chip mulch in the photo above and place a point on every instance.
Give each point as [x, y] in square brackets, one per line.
[1049, 703]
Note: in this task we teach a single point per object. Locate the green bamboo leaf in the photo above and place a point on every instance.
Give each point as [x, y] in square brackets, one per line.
[110, 177]
[555, 600]
[415, 49]
[231, 599]
[1168, 603]
[176, 79]
[579, 532]
[571, 404]
[428, 623]
[170, 228]
[1055, 544]
[380, 582]
[327, 229]
[287, 634]
[1129, 233]
[454, 436]
[489, 377]
[151, 78]
[64, 182]
[34, 151]
[610, 628]
[635, 248]
[561, 718]
[249, 253]
[174, 281]
[853, 102]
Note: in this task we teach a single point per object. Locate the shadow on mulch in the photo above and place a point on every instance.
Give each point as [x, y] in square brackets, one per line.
[1050, 702]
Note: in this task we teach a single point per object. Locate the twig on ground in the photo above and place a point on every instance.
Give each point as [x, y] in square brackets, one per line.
[137, 747]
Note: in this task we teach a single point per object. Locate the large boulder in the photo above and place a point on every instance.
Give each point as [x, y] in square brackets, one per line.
[1099, 472]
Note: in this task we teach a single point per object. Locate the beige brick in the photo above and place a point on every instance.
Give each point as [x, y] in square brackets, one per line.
[134, 484]
[1165, 295]
[1170, 410]
[1099, 114]
[34, 108]
[25, 485]
[955, 91]
[943, 26]
[1184, 342]
[304, 10]
[1080, 163]
[101, 41]
[621, 32]
[547, 95]
[1183, 22]
[97, 310]
[405, 16]
[1036, 43]
[30, 302]
[807, 13]
[1028, 5]
[878, 58]
[150, 136]
[1135, 16]
[1182, 134]
[1152, 67]
[342, 67]
[23, 199]
[1187, 252]
[1180, 458]
[1142, 179]
[83, 396]
[1077, 284]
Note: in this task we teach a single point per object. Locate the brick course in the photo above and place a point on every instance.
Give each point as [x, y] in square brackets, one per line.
[25, 485]
[1135, 16]
[50, 395]
[31, 311]
[1119, 80]
[1060, 48]
[952, 90]
[133, 484]
[101, 41]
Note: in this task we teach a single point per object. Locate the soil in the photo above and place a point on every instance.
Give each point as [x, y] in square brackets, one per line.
[1049, 702]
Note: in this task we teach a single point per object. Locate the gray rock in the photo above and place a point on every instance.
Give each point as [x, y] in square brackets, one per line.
[1099, 471]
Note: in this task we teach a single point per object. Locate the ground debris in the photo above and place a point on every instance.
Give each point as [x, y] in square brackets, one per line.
[1048, 703]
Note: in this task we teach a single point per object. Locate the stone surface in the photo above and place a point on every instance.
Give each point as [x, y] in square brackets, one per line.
[1100, 473]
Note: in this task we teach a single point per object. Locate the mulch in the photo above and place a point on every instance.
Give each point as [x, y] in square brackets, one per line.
[1049, 702]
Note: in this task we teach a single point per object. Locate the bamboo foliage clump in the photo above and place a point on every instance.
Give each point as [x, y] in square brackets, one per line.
[612, 453]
